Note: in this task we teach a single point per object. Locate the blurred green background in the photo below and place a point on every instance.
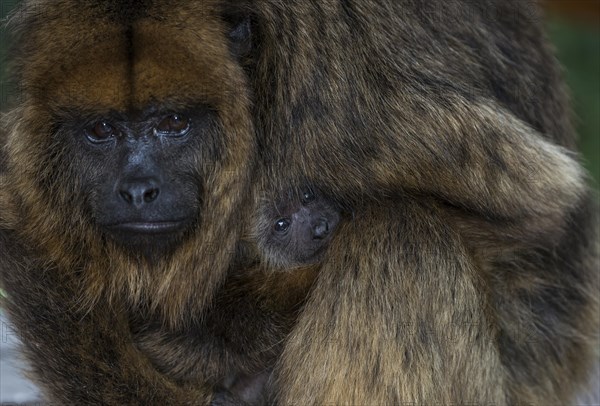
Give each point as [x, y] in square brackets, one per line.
[578, 48]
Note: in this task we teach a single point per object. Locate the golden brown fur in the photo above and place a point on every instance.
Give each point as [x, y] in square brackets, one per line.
[468, 274]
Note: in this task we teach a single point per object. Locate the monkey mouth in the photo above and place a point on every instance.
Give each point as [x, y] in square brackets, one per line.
[150, 227]
[150, 239]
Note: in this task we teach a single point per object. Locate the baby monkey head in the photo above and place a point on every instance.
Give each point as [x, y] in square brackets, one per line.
[296, 230]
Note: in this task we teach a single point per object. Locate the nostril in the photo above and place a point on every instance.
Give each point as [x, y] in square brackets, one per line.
[125, 195]
[321, 229]
[139, 192]
[150, 195]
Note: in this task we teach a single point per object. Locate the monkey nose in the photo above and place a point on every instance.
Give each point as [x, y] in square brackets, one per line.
[139, 193]
[320, 229]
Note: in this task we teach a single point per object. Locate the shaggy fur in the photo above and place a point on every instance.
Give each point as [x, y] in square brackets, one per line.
[468, 274]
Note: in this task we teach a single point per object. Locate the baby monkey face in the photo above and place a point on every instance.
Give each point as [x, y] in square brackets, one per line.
[299, 229]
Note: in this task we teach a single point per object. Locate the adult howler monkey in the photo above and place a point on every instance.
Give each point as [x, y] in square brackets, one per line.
[467, 273]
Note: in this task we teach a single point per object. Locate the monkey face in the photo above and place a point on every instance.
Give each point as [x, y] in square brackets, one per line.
[144, 186]
[298, 231]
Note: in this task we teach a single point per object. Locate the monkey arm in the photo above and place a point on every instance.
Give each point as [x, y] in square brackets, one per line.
[79, 357]
[483, 158]
[402, 313]
[479, 157]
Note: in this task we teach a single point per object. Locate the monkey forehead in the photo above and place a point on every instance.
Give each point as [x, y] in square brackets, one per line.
[99, 61]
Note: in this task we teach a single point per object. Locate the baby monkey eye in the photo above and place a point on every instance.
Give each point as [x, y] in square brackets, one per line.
[282, 225]
[308, 196]
[101, 131]
[174, 124]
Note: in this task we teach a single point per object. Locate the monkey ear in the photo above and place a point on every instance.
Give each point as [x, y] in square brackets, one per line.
[240, 34]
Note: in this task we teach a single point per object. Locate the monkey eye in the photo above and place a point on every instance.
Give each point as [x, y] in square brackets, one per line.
[308, 196]
[282, 225]
[174, 125]
[102, 131]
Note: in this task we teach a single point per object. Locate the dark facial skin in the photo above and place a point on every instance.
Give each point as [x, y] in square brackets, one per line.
[142, 173]
[298, 231]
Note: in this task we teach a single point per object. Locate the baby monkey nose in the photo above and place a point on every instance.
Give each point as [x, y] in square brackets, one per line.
[320, 229]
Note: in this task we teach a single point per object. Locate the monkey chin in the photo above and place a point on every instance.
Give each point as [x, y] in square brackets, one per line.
[292, 263]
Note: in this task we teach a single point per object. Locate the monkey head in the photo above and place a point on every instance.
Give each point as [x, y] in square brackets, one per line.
[296, 230]
[133, 140]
